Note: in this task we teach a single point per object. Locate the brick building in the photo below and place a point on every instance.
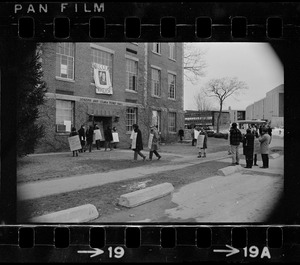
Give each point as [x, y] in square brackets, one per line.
[146, 87]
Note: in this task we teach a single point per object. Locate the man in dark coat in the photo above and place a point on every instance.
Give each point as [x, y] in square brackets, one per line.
[108, 138]
[89, 137]
[235, 140]
[248, 148]
[81, 133]
[139, 143]
[181, 134]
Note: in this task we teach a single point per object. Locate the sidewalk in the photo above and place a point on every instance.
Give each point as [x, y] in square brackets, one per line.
[38, 189]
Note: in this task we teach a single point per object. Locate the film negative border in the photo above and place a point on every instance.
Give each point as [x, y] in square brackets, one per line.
[157, 243]
[147, 21]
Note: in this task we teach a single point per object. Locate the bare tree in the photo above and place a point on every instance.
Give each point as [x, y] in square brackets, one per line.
[193, 63]
[202, 102]
[222, 88]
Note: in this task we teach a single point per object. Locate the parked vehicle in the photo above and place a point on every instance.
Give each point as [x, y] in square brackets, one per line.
[210, 132]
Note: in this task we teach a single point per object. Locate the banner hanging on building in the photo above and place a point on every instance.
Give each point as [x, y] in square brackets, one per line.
[102, 79]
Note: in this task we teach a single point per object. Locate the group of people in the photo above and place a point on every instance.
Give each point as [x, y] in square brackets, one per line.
[87, 136]
[137, 142]
[255, 141]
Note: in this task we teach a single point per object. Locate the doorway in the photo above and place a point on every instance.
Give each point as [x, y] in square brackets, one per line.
[103, 122]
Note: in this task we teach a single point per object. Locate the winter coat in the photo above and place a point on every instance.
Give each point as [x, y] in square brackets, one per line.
[108, 135]
[264, 143]
[81, 133]
[248, 144]
[139, 140]
[256, 145]
[155, 139]
[204, 141]
[89, 135]
[235, 136]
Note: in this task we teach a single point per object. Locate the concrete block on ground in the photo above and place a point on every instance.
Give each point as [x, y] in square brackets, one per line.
[142, 196]
[83, 213]
[275, 155]
[225, 171]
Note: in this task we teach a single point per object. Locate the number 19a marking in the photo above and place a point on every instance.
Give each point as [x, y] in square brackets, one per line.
[117, 252]
[254, 252]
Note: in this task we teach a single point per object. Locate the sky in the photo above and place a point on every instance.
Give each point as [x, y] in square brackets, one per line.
[254, 63]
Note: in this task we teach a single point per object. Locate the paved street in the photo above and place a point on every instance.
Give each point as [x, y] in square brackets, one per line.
[247, 196]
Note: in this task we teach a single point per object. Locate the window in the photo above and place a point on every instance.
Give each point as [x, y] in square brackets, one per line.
[131, 117]
[172, 51]
[156, 118]
[104, 58]
[172, 85]
[172, 121]
[131, 69]
[155, 82]
[156, 47]
[65, 60]
[64, 115]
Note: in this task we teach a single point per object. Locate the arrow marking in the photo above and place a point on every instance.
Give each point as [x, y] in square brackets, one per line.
[95, 252]
[230, 251]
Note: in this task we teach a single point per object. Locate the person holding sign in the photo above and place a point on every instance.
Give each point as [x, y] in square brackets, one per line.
[137, 142]
[97, 135]
[81, 133]
[202, 142]
[73, 144]
[115, 136]
[89, 137]
[153, 143]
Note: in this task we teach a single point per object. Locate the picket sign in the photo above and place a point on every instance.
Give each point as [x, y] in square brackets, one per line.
[115, 136]
[133, 144]
[200, 141]
[97, 134]
[196, 133]
[150, 140]
[74, 143]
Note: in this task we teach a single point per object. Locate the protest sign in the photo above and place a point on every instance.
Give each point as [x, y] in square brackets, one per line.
[74, 143]
[115, 136]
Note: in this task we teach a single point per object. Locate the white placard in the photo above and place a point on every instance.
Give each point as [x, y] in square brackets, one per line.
[115, 136]
[131, 136]
[68, 125]
[200, 140]
[74, 143]
[102, 79]
[150, 140]
[97, 134]
[133, 143]
[196, 133]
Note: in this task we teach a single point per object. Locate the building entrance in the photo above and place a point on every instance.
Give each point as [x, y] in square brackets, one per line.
[103, 123]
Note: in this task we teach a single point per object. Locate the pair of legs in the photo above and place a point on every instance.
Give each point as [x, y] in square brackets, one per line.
[108, 144]
[75, 153]
[255, 160]
[194, 142]
[98, 144]
[200, 153]
[249, 161]
[265, 159]
[235, 154]
[138, 152]
[82, 147]
[156, 153]
[89, 145]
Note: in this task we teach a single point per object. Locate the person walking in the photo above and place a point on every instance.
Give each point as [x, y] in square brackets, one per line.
[256, 149]
[108, 138]
[202, 142]
[73, 133]
[137, 142]
[264, 147]
[228, 139]
[114, 144]
[235, 140]
[193, 136]
[154, 144]
[248, 148]
[181, 134]
[81, 133]
[96, 127]
[89, 137]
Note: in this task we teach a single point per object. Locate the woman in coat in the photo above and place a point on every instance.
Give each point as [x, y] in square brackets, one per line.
[138, 143]
[73, 133]
[256, 147]
[108, 138]
[154, 145]
[248, 148]
[200, 145]
[265, 140]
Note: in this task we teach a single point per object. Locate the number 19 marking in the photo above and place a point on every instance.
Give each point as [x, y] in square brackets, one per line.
[117, 252]
[254, 252]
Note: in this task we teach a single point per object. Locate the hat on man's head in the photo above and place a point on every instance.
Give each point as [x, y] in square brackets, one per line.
[234, 125]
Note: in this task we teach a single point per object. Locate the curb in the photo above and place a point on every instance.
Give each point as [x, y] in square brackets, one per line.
[83, 213]
[275, 155]
[139, 197]
[225, 171]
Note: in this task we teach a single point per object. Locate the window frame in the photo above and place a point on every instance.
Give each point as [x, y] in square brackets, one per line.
[154, 81]
[132, 120]
[72, 110]
[135, 61]
[170, 125]
[59, 63]
[169, 85]
[173, 49]
[156, 48]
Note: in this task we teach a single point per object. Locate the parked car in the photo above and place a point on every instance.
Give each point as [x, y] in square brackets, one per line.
[210, 132]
